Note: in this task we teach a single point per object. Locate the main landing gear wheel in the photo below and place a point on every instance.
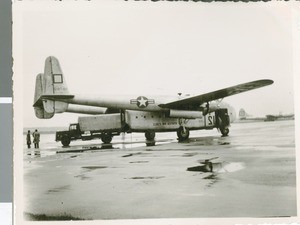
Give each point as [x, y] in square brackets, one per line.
[183, 134]
[106, 138]
[224, 131]
[150, 135]
[65, 141]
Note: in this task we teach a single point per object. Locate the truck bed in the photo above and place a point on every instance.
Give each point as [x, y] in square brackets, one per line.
[106, 122]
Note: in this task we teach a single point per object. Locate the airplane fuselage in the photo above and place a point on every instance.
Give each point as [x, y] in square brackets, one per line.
[139, 113]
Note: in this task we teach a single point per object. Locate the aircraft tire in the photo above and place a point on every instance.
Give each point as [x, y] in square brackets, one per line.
[106, 138]
[182, 136]
[225, 132]
[152, 143]
[150, 135]
[65, 141]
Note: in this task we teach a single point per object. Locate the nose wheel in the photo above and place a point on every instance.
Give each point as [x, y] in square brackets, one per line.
[224, 131]
[183, 134]
[150, 135]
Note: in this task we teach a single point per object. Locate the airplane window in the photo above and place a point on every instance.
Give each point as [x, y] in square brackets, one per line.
[57, 78]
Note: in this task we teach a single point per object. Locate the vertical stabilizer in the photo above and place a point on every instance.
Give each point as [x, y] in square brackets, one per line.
[51, 90]
[54, 82]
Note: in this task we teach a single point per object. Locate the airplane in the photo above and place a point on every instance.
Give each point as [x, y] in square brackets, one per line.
[139, 113]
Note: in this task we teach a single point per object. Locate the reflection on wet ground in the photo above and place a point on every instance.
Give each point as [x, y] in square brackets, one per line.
[220, 167]
[58, 189]
[48, 151]
[93, 167]
[39, 153]
[44, 152]
[43, 217]
[196, 178]
[203, 168]
[139, 162]
[141, 178]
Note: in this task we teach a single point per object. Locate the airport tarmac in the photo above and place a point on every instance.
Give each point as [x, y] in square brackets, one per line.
[253, 174]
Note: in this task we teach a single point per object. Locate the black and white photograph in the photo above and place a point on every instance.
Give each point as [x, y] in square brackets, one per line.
[133, 111]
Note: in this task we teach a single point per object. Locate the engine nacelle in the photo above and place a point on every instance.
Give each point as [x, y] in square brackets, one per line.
[185, 114]
[91, 110]
[209, 107]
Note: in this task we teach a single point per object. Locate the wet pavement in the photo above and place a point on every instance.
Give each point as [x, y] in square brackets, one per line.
[250, 173]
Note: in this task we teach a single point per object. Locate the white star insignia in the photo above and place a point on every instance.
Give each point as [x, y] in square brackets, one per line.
[142, 102]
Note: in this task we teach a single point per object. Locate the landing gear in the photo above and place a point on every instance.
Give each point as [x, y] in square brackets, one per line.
[224, 131]
[183, 134]
[106, 138]
[65, 141]
[150, 135]
[223, 121]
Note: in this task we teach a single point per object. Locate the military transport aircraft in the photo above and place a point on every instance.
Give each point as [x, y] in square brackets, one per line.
[140, 113]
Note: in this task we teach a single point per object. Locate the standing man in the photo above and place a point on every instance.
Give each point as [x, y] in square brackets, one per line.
[36, 138]
[28, 139]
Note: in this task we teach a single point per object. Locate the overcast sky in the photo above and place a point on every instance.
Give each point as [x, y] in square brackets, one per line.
[159, 48]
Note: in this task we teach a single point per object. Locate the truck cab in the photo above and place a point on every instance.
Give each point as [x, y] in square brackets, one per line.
[65, 137]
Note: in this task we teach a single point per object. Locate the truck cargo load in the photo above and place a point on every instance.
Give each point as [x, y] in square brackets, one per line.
[104, 122]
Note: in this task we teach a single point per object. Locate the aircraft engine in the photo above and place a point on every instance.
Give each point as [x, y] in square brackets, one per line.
[91, 110]
[185, 114]
[209, 107]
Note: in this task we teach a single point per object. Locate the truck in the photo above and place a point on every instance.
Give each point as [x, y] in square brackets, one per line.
[103, 127]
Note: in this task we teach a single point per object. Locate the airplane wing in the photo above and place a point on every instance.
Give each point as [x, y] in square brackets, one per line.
[196, 101]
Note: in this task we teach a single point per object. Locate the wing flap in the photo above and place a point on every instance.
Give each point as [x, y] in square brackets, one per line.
[196, 101]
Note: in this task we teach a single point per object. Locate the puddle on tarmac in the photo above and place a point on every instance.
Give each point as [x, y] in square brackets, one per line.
[211, 177]
[224, 143]
[45, 217]
[219, 167]
[202, 168]
[190, 154]
[139, 162]
[141, 178]
[37, 153]
[133, 154]
[83, 177]
[58, 189]
[207, 141]
[93, 167]
[232, 167]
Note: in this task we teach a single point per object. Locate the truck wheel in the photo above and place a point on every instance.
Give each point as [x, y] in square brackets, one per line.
[150, 135]
[106, 138]
[65, 141]
[183, 134]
